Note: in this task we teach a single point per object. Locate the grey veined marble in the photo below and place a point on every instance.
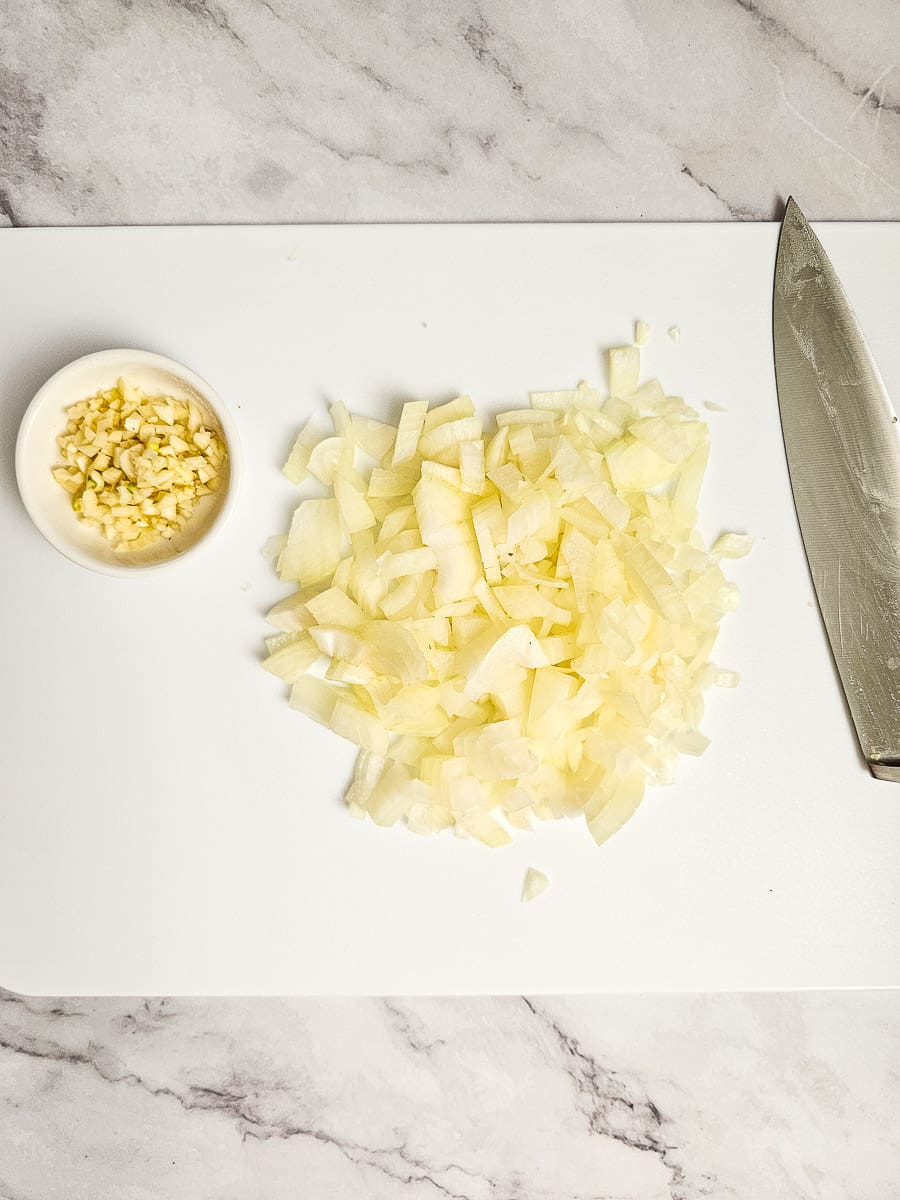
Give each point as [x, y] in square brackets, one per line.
[129, 111]
[116, 111]
[756, 1098]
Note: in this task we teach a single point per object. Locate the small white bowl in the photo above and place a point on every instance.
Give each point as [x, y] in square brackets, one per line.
[50, 506]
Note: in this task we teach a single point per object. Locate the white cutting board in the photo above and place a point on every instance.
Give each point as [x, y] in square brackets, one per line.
[167, 824]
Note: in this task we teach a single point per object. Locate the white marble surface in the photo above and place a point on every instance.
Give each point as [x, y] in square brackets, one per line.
[273, 110]
[268, 110]
[516, 1099]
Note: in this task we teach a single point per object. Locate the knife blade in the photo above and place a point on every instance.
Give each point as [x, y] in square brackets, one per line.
[843, 452]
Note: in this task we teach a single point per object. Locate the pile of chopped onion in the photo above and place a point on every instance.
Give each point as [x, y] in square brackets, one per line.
[136, 465]
[511, 625]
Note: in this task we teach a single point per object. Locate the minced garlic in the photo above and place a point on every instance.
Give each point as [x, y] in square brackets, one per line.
[136, 465]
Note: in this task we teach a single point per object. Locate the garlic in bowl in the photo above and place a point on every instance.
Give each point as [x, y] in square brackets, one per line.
[127, 460]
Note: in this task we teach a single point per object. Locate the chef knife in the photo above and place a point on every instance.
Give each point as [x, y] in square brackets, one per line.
[843, 452]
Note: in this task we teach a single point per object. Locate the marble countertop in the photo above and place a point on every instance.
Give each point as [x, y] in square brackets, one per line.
[620, 1098]
[131, 111]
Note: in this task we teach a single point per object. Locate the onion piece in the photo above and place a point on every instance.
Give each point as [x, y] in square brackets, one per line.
[312, 552]
[412, 419]
[471, 466]
[732, 545]
[295, 469]
[624, 369]
[534, 884]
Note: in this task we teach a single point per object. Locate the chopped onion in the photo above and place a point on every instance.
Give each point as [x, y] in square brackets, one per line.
[512, 626]
[412, 419]
[296, 467]
[726, 679]
[732, 545]
[534, 884]
[313, 548]
[624, 369]
[273, 546]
